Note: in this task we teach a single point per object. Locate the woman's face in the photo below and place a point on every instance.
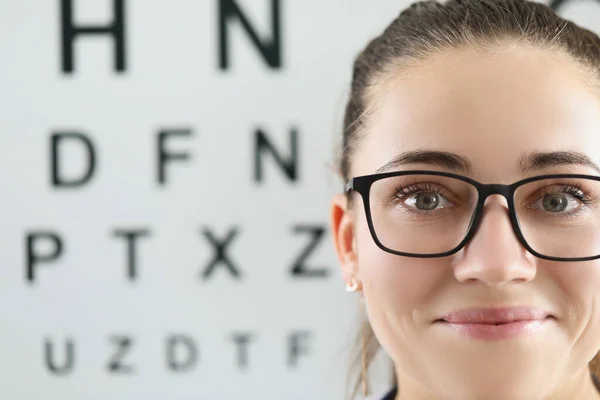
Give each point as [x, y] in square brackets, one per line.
[493, 109]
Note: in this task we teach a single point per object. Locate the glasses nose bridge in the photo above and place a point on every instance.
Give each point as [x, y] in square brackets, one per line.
[486, 190]
[495, 188]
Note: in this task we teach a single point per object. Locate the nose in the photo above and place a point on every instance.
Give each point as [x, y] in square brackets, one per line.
[494, 255]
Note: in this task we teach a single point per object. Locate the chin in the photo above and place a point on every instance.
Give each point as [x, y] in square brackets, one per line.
[494, 388]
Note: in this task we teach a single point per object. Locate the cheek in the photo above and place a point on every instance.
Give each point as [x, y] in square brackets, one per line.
[399, 282]
[386, 278]
[578, 286]
[398, 290]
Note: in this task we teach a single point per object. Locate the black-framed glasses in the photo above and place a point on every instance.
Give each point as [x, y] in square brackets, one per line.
[434, 214]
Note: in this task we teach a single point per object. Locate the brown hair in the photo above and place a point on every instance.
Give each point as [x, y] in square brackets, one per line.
[429, 26]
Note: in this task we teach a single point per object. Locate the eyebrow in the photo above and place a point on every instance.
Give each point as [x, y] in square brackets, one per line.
[455, 162]
[444, 159]
[537, 161]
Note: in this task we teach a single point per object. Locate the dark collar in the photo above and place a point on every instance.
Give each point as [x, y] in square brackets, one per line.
[391, 394]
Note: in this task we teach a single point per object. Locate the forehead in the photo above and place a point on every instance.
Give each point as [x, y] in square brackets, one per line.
[491, 107]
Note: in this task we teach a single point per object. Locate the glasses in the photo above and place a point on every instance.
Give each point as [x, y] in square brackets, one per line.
[434, 214]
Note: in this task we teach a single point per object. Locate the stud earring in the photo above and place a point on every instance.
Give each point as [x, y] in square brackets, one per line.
[353, 286]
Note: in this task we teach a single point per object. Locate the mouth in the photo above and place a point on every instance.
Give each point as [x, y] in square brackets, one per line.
[492, 323]
[496, 323]
[495, 316]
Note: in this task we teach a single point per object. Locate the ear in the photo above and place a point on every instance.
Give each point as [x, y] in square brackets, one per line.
[342, 228]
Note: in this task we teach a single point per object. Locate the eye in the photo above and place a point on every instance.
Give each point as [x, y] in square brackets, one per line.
[557, 203]
[427, 201]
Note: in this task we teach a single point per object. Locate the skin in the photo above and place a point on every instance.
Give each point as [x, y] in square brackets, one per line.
[491, 107]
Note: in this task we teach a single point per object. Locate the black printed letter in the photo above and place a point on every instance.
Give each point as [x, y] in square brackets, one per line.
[296, 346]
[164, 156]
[123, 344]
[242, 340]
[188, 343]
[220, 247]
[262, 144]
[270, 50]
[70, 32]
[131, 236]
[68, 364]
[33, 258]
[58, 138]
[298, 268]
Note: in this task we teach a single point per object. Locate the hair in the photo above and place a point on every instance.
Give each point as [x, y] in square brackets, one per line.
[426, 27]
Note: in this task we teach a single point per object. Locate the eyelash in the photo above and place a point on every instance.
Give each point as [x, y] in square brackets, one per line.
[582, 195]
[416, 188]
[578, 192]
[404, 192]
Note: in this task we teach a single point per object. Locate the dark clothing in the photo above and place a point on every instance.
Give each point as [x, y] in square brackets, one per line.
[391, 394]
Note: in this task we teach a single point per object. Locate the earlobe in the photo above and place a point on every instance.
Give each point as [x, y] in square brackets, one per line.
[342, 229]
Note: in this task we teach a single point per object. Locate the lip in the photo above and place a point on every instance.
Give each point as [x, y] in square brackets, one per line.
[496, 323]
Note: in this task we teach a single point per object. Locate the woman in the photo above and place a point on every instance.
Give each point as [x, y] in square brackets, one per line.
[470, 224]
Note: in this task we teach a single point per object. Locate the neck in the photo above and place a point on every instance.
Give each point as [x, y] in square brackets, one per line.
[581, 386]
